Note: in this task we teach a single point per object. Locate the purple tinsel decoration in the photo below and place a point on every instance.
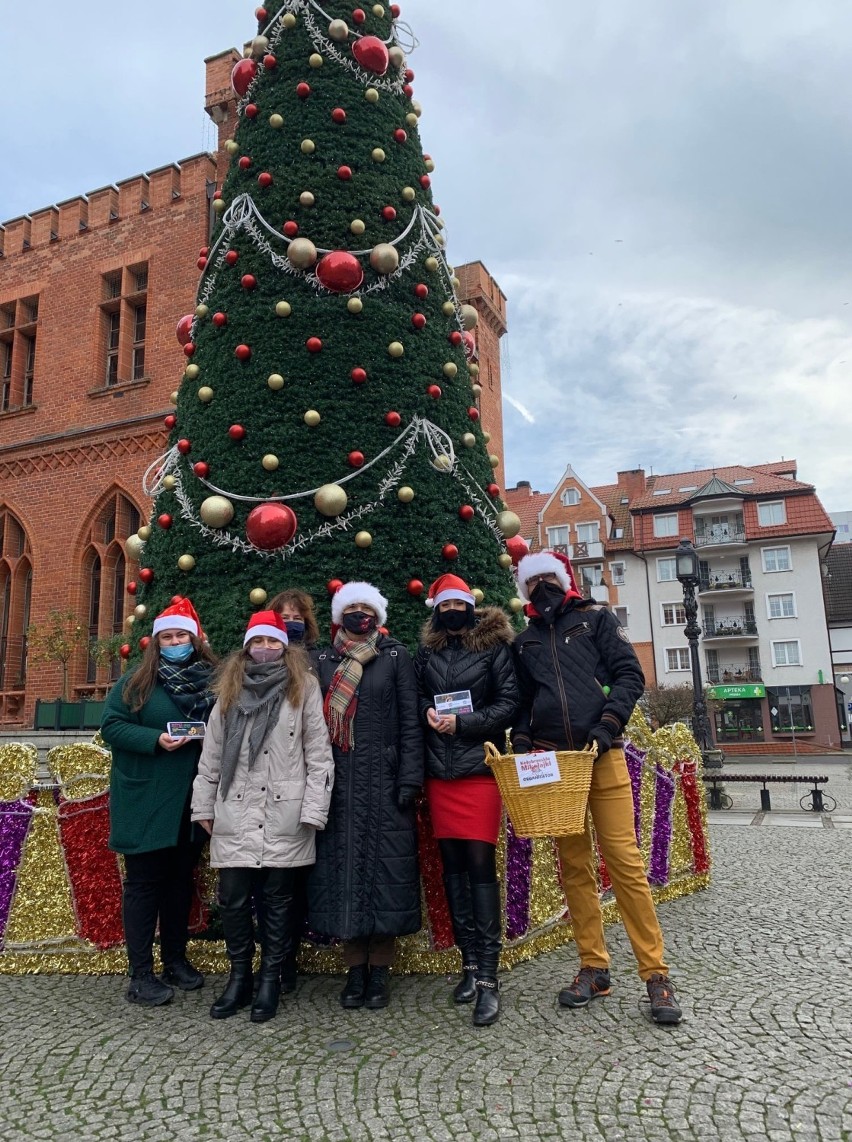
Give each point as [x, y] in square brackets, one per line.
[661, 837]
[518, 883]
[635, 759]
[15, 818]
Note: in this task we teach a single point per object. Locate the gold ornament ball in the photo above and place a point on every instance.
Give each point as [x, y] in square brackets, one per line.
[192, 372]
[257, 596]
[283, 308]
[405, 495]
[411, 119]
[455, 281]
[505, 560]
[275, 381]
[468, 440]
[288, 20]
[216, 511]
[478, 596]
[141, 611]
[169, 482]
[173, 397]
[363, 539]
[338, 30]
[516, 605]
[486, 436]
[477, 392]
[130, 620]
[473, 369]
[276, 121]
[186, 562]
[219, 205]
[232, 146]
[396, 56]
[443, 463]
[134, 547]
[508, 523]
[494, 461]
[202, 310]
[431, 263]
[205, 394]
[396, 349]
[371, 95]
[270, 462]
[418, 108]
[312, 418]
[448, 309]
[259, 46]
[408, 194]
[470, 317]
[357, 227]
[384, 258]
[306, 198]
[144, 532]
[302, 253]
[330, 500]
[440, 240]
[450, 369]
[378, 155]
[307, 146]
[378, 10]
[430, 165]
[315, 60]
[354, 305]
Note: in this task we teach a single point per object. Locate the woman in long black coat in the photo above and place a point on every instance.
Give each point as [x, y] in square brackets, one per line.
[365, 885]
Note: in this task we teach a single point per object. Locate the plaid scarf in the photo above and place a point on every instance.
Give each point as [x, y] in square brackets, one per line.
[341, 700]
[188, 686]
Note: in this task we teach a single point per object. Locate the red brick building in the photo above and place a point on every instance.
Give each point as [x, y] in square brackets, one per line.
[90, 293]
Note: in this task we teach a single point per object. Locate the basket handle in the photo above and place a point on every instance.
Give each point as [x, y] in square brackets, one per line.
[492, 753]
[592, 748]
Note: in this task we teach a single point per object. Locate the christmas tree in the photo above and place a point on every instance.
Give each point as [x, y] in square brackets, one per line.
[326, 426]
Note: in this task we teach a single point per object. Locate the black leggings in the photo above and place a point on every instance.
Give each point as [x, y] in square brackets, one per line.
[476, 858]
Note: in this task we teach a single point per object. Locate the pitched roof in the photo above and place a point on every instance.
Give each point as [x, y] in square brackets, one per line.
[677, 488]
[526, 504]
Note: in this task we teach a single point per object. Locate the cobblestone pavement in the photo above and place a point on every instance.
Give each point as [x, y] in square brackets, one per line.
[765, 1051]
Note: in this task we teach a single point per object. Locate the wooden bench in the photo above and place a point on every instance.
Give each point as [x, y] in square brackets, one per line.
[817, 801]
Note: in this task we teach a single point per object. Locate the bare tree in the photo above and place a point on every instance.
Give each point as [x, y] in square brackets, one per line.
[57, 639]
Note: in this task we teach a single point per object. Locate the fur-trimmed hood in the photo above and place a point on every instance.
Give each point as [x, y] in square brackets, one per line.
[491, 627]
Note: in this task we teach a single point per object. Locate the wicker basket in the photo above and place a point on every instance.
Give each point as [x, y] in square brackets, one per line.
[552, 810]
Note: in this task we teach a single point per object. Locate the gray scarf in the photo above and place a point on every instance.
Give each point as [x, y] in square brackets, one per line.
[257, 709]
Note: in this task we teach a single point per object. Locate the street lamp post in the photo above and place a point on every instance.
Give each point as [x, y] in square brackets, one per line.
[687, 571]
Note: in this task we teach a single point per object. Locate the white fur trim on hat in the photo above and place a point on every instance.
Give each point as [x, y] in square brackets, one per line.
[540, 563]
[261, 631]
[366, 593]
[175, 622]
[449, 587]
[452, 593]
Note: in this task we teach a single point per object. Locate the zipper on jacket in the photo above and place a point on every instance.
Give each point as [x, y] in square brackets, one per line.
[448, 744]
[566, 720]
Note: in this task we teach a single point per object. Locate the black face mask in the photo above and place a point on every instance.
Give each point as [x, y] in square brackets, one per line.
[295, 630]
[359, 622]
[454, 620]
[546, 598]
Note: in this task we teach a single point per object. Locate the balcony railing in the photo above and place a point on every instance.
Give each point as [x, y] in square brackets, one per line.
[719, 536]
[738, 627]
[726, 581]
[734, 672]
[580, 550]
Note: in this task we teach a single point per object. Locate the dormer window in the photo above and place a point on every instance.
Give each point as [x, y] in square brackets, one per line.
[570, 498]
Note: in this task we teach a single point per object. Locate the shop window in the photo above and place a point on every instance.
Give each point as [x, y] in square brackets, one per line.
[790, 709]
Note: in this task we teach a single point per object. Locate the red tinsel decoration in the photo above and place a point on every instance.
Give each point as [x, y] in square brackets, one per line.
[92, 869]
[692, 797]
[432, 875]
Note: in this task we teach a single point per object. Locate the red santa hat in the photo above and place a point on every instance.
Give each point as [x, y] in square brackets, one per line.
[364, 593]
[547, 563]
[179, 616]
[449, 587]
[266, 623]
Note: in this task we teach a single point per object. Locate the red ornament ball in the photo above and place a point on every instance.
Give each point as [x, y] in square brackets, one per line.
[220, 319]
[359, 15]
[418, 320]
[124, 650]
[450, 551]
[144, 643]
[425, 181]
[414, 587]
[264, 179]
[164, 521]
[473, 413]
[270, 526]
[244, 163]
[237, 432]
[358, 376]
[242, 353]
[250, 111]
[436, 210]
[242, 76]
[201, 263]
[393, 419]
[261, 15]
[400, 135]
[388, 213]
[313, 345]
[232, 257]
[469, 342]
[466, 512]
[270, 62]
[395, 11]
[146, 575]
[517, 548]
[344, 173]
[132, 587]
[421, 290]
[204, 251]
[409, 75]
[189, 349]
[303, 90]
[248, 281]
[340, 271]
[184, 326]
[355, 459]
[408, 90]
[201, 469]
[493, 491]
[333, 586]
[371, 54]
[338, 115]
[435, 392]
[184, 447]
[455, 338]
[170, 421]
[291, 229]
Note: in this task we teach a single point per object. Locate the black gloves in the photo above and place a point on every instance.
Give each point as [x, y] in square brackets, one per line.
[602, 735]
[521, 744]
[406, 796]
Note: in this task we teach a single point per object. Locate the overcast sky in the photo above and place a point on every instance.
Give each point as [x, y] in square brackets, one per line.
[662, 188]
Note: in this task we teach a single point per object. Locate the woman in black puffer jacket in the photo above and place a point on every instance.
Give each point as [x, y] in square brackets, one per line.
[465, 660]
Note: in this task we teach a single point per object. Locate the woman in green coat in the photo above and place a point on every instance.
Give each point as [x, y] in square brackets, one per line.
[150, 792]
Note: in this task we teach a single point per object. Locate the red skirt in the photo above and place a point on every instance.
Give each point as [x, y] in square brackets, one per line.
[467, 809]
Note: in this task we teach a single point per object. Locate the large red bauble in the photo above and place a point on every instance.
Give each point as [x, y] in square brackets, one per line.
[232, 257]
[170, 421]
[358, 376]
[418, 320]
[124, 650]
[184, 326]
[220, 319]
[270, 526]
[414, 587]
[393, 419]
[340, 271]
[372, 54]
[313, 345]
[144, 643]
[517, 548]
[146, 575]
[264, 179]
[184, 447]
[132, 587]
[201, 469]
[242, 76]
[338, 115]
[466, 512]
[469, 342]
[248, 281]
[435, 392]
[188, 349]
[164, 521]
[333, 586]
[237, 432]
[450, 551]
[290, 228]
[303, 90]
[356, 459]
[242, 353]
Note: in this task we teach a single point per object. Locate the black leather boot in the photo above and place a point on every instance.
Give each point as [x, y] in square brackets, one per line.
[378, 989]
[278, 913]
[487, 918]
[356, 987]
[237, 993]
[457, 887]
[235, 903]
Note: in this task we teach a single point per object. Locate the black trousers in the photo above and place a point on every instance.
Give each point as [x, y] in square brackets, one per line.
[158, 886]
[274, 887]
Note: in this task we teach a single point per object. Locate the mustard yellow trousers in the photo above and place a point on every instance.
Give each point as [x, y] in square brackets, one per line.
[611, 810]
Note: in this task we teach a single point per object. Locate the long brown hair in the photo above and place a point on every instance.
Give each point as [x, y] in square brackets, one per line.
[302, 602]
[229, 678]
[140, 684]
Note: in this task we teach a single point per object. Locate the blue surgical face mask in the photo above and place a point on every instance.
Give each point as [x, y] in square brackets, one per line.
[295, 630]
[178, 652]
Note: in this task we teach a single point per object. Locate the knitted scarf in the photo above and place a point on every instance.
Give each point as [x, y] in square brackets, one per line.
[256, 711]
[341, 700]
[188, 686]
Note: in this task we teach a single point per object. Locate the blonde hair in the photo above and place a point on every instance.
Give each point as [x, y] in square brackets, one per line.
[229, 678]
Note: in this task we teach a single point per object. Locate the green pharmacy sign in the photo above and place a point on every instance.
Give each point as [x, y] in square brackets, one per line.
[723, 693]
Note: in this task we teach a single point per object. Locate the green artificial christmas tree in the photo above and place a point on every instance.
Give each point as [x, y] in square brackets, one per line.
[327, 426]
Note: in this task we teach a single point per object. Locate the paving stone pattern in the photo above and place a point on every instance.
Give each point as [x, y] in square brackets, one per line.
[762, 960]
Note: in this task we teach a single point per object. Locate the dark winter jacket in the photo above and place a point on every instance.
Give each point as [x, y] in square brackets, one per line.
[366, 880]
[480, 660]
[562, 671]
